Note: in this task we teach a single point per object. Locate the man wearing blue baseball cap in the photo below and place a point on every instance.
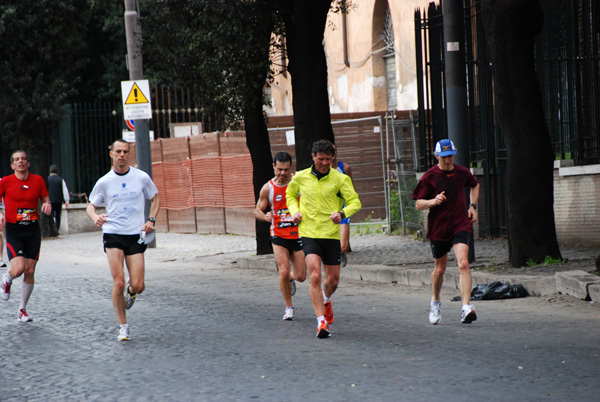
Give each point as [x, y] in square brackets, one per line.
[449, 223]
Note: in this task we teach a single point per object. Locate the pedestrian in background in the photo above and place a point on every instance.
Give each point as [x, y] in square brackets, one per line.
[22, 192]
[59, 193]
[449, 223]
[344, 168]
[318, 213]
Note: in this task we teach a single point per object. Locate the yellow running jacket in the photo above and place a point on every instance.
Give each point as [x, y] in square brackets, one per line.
[319, 199]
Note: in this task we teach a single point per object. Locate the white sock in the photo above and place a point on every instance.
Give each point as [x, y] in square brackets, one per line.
[7, 277]
[124, 326]
[325, 298]
[439, 302]
[26, 290]
[320, 319]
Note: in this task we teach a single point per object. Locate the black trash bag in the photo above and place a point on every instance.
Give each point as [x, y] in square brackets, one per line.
[497, 291]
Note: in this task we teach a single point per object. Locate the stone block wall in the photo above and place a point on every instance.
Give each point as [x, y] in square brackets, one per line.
[75, 219]
[577, 204]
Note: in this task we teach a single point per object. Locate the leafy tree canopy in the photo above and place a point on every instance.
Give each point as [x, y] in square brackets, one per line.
[217, 47]
[40, 47]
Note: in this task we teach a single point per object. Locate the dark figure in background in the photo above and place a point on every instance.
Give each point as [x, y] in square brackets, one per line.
[59, 193]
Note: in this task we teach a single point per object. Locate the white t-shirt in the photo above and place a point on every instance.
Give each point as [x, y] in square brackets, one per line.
[124, 197]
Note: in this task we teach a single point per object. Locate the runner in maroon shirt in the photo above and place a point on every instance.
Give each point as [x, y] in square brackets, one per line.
[441, 190]
[22, 192]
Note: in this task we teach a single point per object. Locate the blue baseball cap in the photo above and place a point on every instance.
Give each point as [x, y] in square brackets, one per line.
[445, 148]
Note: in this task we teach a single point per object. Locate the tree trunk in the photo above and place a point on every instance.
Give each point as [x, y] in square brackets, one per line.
[304, 28]
[257, 139]
[510, 30]
[257, 136]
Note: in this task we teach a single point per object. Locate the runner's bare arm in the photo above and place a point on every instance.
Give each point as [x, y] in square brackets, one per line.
[98, 220]
[154, 208]
[262, 204]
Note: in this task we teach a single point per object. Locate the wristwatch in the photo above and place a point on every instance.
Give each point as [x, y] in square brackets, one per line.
[342, 214]
[151, 220]
[474, 206]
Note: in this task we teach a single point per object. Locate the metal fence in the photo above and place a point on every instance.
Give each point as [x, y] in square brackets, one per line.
[567, 63]
[80, 146]
[568, 66]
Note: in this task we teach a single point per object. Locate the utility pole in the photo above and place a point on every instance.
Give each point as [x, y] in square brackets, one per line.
[456, 86]
[456, 79]
[133, 33]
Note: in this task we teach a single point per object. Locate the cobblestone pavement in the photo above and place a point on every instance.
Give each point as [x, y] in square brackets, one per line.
[206, 331]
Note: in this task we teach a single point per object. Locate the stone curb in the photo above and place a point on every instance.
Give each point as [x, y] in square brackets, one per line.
[580, 284]
[577, 284]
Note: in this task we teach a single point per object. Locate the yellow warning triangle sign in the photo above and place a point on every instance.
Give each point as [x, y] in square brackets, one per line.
[135, 96]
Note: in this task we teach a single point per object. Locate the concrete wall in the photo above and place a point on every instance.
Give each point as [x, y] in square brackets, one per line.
[75, 220]
[577, 204]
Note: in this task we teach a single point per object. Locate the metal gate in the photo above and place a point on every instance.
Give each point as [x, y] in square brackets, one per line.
[401, 179]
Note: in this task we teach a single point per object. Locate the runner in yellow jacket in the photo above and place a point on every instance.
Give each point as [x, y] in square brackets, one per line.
[317, 211]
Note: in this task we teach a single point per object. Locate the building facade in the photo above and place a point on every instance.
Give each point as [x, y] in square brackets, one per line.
[371, 60]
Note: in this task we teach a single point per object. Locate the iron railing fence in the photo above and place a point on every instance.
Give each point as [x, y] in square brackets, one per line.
[429, 39]
[83, 136]
[568, 66]
[487, 149]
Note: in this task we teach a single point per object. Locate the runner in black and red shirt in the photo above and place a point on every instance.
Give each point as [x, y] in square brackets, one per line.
[287, 245]
[22, 192]
[442, 191]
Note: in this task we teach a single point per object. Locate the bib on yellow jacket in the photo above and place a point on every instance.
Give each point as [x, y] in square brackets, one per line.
[319, 199]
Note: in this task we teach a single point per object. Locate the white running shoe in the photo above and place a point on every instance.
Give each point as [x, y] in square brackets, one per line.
[435, 313]
[123, 334]
[468, 314]
[292, 287]
[23, 316]
[5, 288]
[289, 314]
[2, 264]
[129, 297]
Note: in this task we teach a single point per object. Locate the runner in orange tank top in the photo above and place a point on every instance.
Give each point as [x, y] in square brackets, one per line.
[287, 245]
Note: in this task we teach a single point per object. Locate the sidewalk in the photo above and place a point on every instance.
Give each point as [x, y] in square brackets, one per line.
[397, 259]
[375, 258]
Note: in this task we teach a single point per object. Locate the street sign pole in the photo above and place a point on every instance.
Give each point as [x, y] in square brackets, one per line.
[133, 33]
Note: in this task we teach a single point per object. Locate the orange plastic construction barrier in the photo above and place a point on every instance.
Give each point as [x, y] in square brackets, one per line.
[216, 181]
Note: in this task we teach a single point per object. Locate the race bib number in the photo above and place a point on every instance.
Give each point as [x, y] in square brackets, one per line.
[27, 214]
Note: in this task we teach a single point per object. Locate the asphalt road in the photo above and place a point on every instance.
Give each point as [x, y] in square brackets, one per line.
[206, 332]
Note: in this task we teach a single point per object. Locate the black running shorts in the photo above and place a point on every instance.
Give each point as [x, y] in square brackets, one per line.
[128, 243]
[23, 240]
[290, 244]
[440, 248]
[328, 249]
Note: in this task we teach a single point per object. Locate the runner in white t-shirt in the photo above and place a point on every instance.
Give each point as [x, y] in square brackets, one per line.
[124, 191]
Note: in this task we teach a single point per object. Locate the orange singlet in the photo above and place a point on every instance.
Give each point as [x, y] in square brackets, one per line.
[282, 224]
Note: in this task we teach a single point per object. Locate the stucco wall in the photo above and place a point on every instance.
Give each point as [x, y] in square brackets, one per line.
[361, 86]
